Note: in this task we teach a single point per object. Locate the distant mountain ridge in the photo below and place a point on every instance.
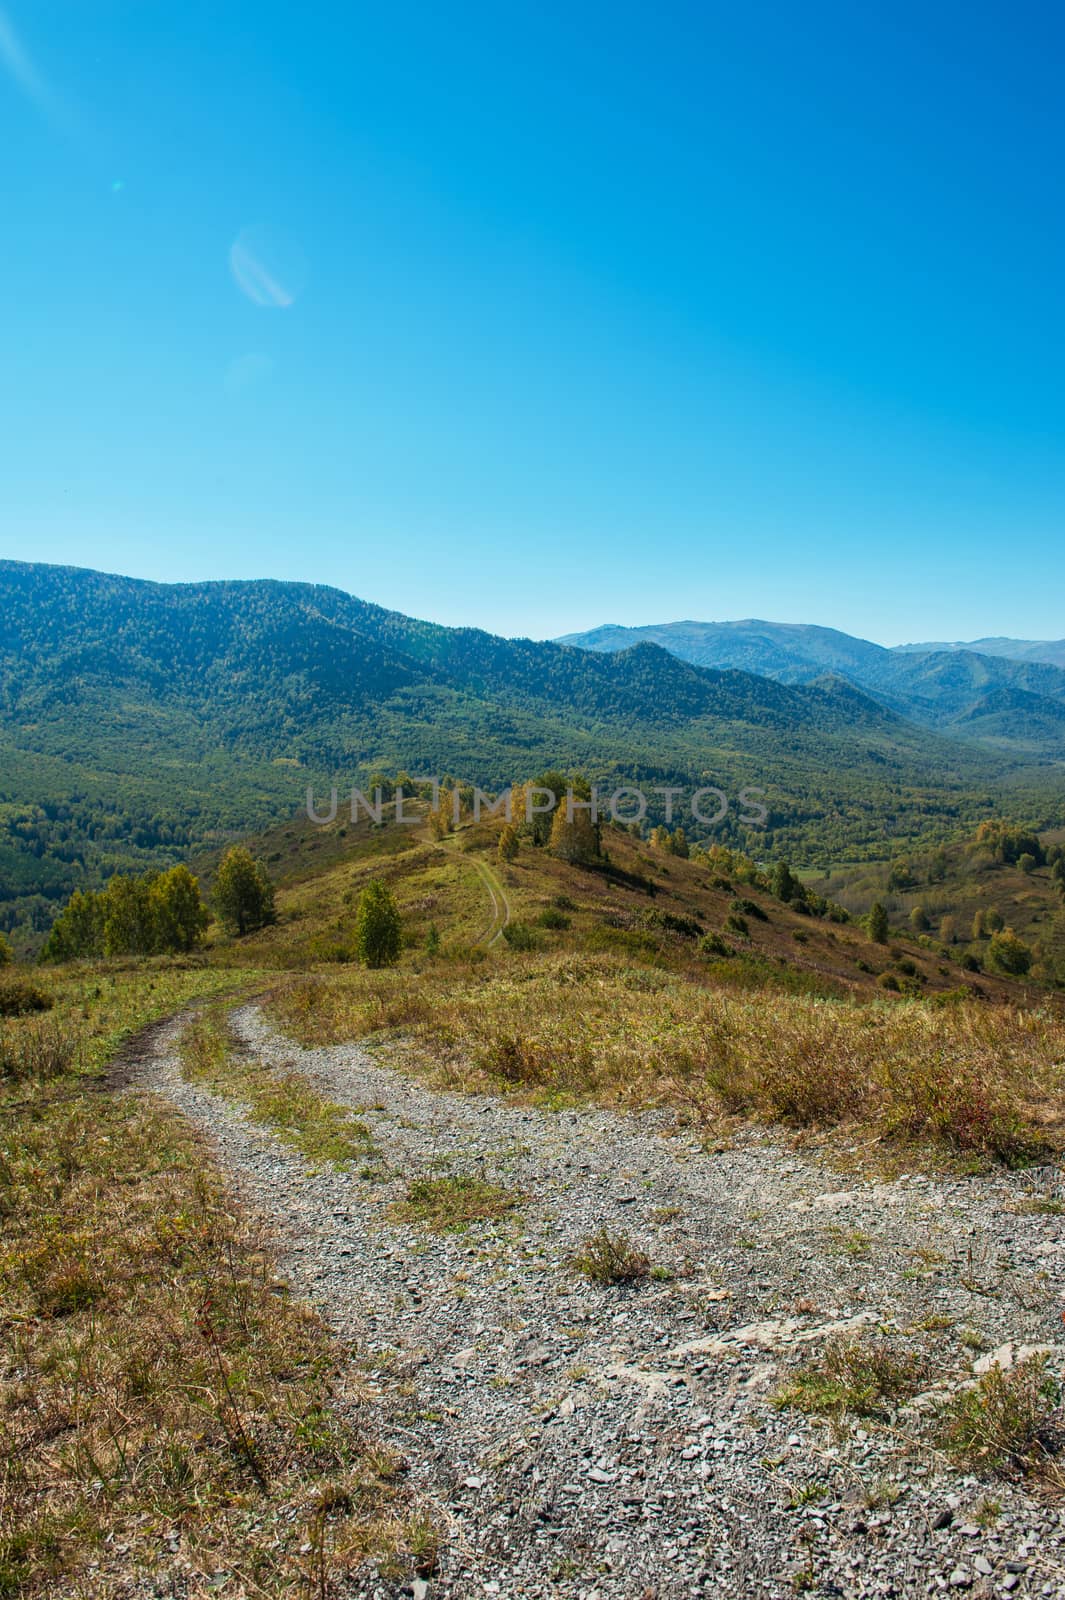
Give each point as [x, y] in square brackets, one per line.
[1049, 651]
[140, 720]
[1006, 698]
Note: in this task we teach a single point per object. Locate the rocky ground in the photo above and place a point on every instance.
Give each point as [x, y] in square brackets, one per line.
[594, 1442]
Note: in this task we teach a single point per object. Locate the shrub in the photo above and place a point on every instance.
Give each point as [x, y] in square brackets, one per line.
[607, 1258]
[855, 1377]
[20, 996]
[512, 1059]
[1007, 1422]
[520, 936]
[742, 907]
[6, 953]
[712, 944]
[551, 918]
[737, 924]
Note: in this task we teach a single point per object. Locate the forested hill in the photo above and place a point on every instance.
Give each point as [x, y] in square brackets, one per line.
[138, 720]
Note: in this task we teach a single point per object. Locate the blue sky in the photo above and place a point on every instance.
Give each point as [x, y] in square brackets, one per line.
[536, 316]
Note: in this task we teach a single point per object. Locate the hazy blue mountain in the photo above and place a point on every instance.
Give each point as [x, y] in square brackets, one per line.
[1051, 651]
[1007, 701]
[791, 652]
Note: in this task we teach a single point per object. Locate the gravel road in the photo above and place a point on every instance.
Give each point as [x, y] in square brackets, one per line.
[593, 1443]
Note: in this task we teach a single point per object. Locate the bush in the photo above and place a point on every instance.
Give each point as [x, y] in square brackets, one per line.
[608, 1258]
[742, 907]
[1008, 1422]
[853, 1377]
[20, 996]
[520, 936]
[712, 944]
[553, 919]
[737, 924]
[6, 953]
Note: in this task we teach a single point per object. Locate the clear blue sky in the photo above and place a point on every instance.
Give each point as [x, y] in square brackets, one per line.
[536, 316]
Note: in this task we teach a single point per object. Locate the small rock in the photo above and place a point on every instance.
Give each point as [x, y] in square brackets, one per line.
[961, 1578]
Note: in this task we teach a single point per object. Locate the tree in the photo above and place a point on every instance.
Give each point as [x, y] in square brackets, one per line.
[1027, 862]
[440, 816]
[78, 930]
[180, 915]
[1008, 954]
[377, 926]
[919, 920]
[878, 924]
[432, 940]
[573, 839]
[948, 929]
[979, 931]
[6, 953]
[128, 917]
[243, 894]
[509, 843]
[678, 843]
[785, 884]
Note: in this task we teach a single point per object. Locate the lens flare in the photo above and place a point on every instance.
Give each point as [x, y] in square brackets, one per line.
[267, 267]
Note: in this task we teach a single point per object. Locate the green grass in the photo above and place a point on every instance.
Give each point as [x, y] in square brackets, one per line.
[323, 1132]
[853, 1377]
[449, 1205]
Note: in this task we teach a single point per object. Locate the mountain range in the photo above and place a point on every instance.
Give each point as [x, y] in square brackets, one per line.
[1004, 694]
[139, 721]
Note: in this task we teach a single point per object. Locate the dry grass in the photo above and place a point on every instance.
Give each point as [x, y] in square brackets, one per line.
[166, 1412]
[973, 1081]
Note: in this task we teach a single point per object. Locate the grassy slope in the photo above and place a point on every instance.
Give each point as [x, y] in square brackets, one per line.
[792, 1028]
[162, 1406]
[320, 871]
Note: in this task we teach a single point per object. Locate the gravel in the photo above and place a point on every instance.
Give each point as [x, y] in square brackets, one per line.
[595, 1442]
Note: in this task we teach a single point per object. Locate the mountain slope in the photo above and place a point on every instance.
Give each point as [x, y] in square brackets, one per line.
[138, 720]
